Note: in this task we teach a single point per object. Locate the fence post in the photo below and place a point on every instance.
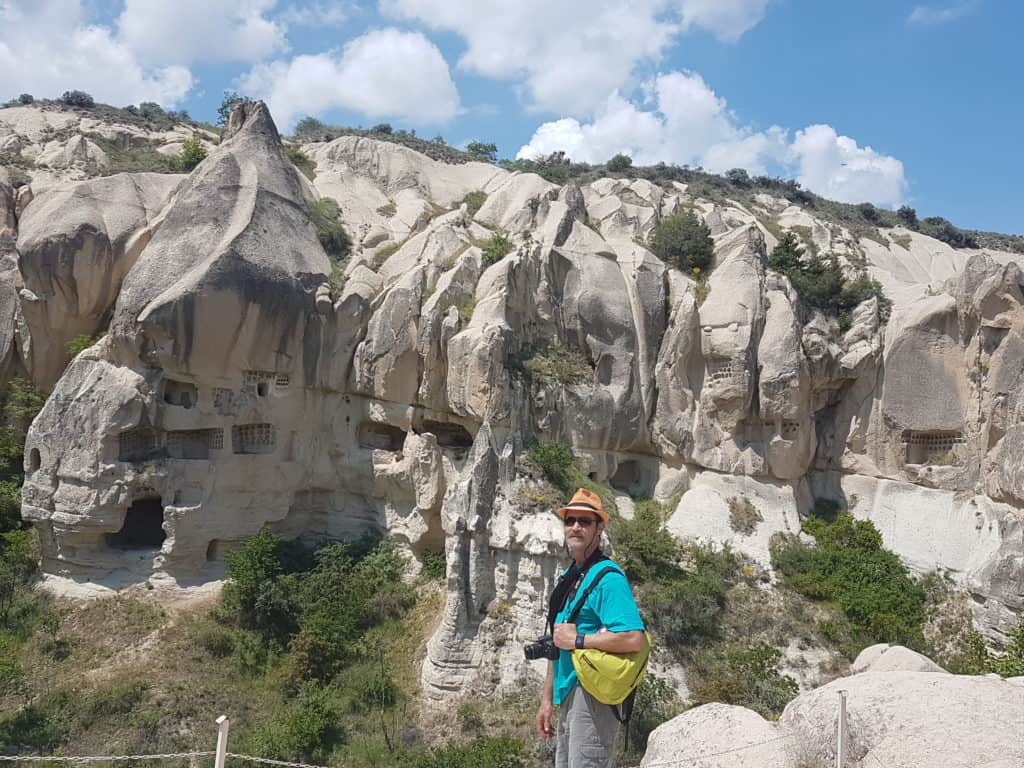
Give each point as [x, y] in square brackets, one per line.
[840, 732]
[222, 741]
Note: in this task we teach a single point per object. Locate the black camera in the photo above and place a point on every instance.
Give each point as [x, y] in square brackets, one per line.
[542, 648]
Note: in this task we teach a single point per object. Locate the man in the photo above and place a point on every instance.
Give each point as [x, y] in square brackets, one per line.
[608, 621]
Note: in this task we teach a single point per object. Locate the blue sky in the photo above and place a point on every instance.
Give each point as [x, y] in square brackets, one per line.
[890, 102]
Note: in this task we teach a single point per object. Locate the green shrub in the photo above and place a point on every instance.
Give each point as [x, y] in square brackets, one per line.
[979, 660]
[25, 99]
[79, 344]
[434, 565]
[466, 309]
[325, 216]
[497, 247]
[656, 703]
[820, 281]
[19, 561]
[474, 202]
[250, 569]
[10, 505]
[848, 566]
[226, 105]
[77, 99]
[644, 547]
[747, 677]
[387, 210]
[556, 462]
[480, 151]
[483, 752]
[306, 729]
[907, 216]
[683, 241]
[619, 163]
[303, 162]
[566, 365]
[192, 153]
[384, 128]
[941, 229]
[309, 128]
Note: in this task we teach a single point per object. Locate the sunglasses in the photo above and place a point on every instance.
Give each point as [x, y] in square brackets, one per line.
[585, 522]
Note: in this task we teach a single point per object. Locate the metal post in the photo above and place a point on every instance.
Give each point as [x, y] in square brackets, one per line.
[840, 732]
[222, 741]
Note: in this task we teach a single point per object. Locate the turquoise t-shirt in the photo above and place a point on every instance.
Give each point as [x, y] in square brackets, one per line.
[610, 605]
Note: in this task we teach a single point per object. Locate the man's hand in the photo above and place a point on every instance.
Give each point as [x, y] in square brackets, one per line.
[544, 728]
[565, 636]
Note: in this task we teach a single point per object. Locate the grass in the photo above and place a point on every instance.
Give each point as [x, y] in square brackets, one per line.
[138, 159]
[474, 201]
[561, 364]
[743, 515]
[495, 248]
[903, 241]
[466, 309]
[303, 162]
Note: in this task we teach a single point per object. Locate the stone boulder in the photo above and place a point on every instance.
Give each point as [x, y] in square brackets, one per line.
[892, 658]
[721, 735]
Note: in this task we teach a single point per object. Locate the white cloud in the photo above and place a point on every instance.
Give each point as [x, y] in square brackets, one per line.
[570, 54]
[317, 14]
[927, 15]
[689, 124]
[726, 19]
[384, 73]
[183, 31]
[48, 47]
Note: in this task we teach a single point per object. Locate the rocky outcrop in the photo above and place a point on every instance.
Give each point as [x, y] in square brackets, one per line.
[239, 387]
[901, 710]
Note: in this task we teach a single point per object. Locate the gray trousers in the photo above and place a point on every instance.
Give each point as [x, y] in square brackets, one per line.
[586, 732]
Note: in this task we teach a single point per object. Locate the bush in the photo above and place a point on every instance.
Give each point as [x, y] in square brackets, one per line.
[435, 565]
[306, 729]
[619, 163]
[738, 177]
[907, 216]
[79, 344]
[743, 515]
[26, 98]
[22, 401]
[484, 752]
[226, 105]
[309, 128]
[683, 241]
[480, 151]
[747, 677]
[848, 566]
[821, 283]
[496, 248]
[474, 202]
[192, 153]
[556, 462]
[250, 568]
[384, 128]
[566, 365]
[303, 162]
[19, 561]
[656, 702]
[325, 214]
[77, 99]
[150, 110]
[941, 229]
[644, 547]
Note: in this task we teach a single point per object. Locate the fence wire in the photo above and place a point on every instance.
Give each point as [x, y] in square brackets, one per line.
[101, 758]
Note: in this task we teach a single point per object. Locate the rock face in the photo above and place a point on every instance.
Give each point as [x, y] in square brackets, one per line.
[894, 718]
[236, 388]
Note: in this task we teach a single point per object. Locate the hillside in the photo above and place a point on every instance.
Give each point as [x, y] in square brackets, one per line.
[345, 337]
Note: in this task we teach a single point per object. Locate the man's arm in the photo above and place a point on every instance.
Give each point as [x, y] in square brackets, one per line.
[610, 642]
[544, 728]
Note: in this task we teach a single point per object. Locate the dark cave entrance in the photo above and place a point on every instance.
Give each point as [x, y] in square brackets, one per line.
[143, 526]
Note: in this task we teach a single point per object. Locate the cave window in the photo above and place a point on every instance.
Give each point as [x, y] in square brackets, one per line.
[34, 460]
[935, 447]
[381, 436]
[139, 444]
[194, 443]
[257, 382]
[282, 381]
[143, 526]
[627, 476]
[180, 393]
[790, 429]
[253, 438]
[722, 370]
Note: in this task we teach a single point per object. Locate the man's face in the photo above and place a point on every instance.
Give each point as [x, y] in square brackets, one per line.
[581, 530]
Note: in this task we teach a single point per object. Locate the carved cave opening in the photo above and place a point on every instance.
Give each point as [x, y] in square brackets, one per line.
[933, 447]
[34, 460]
[194, 443]
[253, 438]
[143, 526]
[381, 436]
[722, 370]
[141, 444]
[180, 393]
[449, 435]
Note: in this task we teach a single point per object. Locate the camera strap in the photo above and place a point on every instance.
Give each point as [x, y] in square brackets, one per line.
[568, 584]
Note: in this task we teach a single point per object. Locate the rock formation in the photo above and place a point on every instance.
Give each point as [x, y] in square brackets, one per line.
[902, 709]
[233, 390]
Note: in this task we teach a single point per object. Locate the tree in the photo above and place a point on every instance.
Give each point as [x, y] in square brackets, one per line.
[481, 151]
[192, 153]
[25, 98]
[309, 128]
[226, 105]
[619, 163]
[868, 211]
[382, 128]
[738, 177]
[683, 241]
[151, 110]
[77, 99]
[907, 215]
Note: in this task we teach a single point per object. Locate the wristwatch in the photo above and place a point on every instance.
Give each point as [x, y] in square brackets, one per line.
[579, 642]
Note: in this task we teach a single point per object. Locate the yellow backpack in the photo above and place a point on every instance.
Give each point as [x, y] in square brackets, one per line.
[609, 677]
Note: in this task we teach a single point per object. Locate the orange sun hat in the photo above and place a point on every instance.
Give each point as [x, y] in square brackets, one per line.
[585, 501]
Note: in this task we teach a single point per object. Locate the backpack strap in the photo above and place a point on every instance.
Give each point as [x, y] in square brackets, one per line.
[590, 588]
